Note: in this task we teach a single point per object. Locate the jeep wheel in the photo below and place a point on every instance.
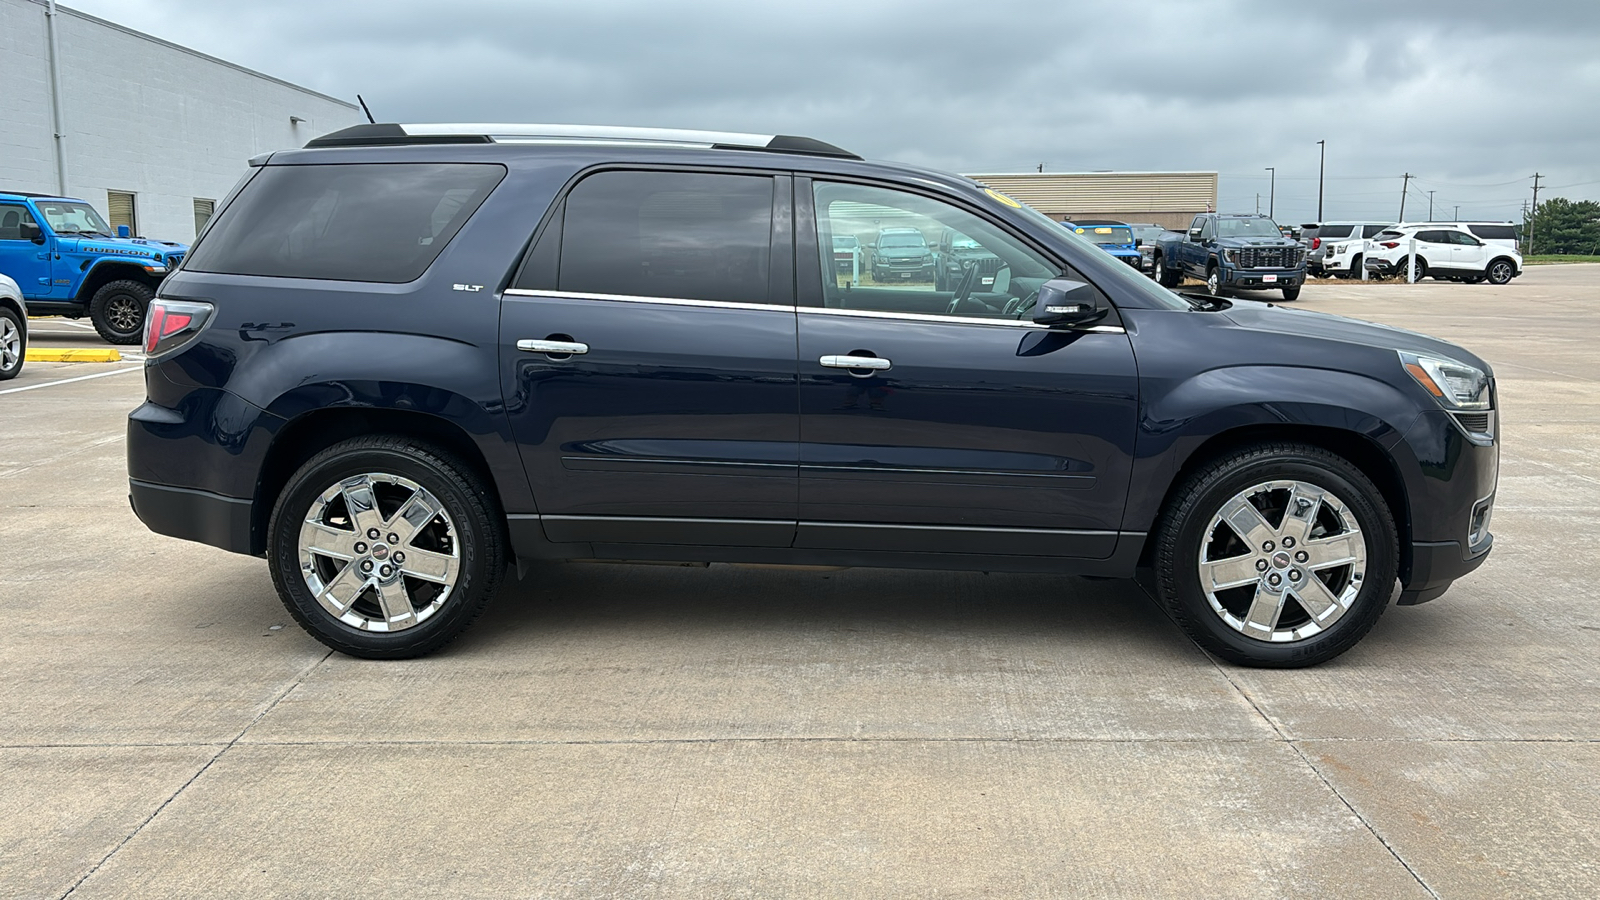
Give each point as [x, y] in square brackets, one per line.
[1278, 555]
[117, 310]
[1165, 276]
[1501, 271]
[13, 344]
[384, 549]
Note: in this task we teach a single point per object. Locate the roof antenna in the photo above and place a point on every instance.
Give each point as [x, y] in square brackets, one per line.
[370, 119]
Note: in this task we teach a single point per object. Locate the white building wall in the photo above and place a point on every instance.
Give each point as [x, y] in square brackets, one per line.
[142, 115]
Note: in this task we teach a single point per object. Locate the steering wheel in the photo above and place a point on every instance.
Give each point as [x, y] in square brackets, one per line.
[1019, 307]
[969, 275]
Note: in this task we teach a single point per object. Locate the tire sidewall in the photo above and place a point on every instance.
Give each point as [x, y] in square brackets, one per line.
[473, 524]
[1181, 585]
[22, 347]
[140, 293]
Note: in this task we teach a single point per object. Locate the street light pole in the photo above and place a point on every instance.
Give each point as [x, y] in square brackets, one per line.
[1321, 167]
[1430, 206]
[1272, 192]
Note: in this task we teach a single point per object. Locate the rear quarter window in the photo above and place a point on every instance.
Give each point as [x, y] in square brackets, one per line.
[1494, 232]
[383, 223]
[1327, 232]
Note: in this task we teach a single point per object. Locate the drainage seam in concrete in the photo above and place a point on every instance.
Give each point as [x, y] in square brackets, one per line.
[1295, 746]
[305, 673]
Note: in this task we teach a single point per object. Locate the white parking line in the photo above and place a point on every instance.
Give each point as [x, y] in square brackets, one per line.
[45, 384]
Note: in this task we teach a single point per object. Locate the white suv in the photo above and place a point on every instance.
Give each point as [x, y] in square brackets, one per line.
[1444, 252]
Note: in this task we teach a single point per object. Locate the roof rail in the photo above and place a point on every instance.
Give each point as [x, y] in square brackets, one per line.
[390, 134]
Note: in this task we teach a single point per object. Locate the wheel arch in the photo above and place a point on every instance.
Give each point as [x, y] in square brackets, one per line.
[312, 432]
[1358, 449]
[106, 271]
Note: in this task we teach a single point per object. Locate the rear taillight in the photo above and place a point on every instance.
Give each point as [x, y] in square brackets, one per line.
[1389, 245]
[170, 324]
[1316, 243]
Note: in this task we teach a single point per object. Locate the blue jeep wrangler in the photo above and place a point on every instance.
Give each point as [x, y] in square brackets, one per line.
[69, 262]
[1115, 238]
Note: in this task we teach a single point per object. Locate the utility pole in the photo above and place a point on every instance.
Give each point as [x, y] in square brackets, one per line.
[1458, 212]
[1403, 186]
[1533, 216]
[1322, 164]
[1272, 194]
[1430, 206]
[1258, 203]
[1041, 168]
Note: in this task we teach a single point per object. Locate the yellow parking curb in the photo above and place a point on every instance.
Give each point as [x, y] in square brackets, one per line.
[72, 354]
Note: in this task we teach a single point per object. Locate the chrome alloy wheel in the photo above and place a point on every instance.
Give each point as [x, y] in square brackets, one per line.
[1282, 561]
[379, 552]
[1213, 282]
[10, 344]
[123, 314]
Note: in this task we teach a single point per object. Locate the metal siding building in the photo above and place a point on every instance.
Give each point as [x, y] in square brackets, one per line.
[140, 116]
[1164, 198]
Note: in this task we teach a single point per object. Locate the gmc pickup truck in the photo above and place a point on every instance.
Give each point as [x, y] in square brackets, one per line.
[1232, 253]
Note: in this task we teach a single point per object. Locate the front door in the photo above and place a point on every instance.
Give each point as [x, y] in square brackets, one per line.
[1467, 253]
[648, 361]
[964, 428]
[27, 263]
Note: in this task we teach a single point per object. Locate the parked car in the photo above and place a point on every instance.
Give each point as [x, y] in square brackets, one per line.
[901, 254]
[1321, 235]
[957, 254]
[1232, 252]
[847, 255]
[1444, 253]
[1116, 238]
[70, 263]
[444, 388]
[13, 329]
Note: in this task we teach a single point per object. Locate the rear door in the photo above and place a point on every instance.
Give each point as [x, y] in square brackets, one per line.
[648, 361]
[967, 429]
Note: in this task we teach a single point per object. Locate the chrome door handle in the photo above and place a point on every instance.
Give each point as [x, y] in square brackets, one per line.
[572, 347]
[854, 362]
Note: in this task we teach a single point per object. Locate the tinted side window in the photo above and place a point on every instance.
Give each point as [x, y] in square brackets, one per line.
[1372, 230]
[1494, 232]
[669, 234]
[1334, 231]
[371, 222]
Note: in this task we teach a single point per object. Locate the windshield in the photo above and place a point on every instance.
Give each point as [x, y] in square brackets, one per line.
[901, 240]
[844, 243]
[1131, 280]
[1248, 228]
[1106, 234]
[71, 217]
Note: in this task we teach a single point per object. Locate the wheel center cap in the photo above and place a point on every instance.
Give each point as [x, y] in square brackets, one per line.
[1280, 560]
[381, 551]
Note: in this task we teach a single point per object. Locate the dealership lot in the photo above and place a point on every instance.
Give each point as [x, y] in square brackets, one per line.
[722, 731]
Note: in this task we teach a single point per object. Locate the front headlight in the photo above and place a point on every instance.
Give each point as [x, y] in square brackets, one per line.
[1230, 255]
[1454, 384]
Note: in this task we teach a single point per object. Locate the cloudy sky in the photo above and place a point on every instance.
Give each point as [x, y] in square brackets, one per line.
[1470, 96]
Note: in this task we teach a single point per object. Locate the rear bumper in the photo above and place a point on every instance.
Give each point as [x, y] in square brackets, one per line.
[193, 515]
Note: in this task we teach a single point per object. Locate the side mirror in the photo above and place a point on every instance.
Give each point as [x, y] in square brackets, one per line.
[1138, 242]
[32, 232]
[1194, 234]
[1063, 301]
[122, 231]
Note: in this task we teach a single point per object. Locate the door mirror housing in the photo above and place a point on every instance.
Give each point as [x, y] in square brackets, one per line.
[1194, 234]
[1063, 301]
[32, 232]
[123, 231]
[1138, 242]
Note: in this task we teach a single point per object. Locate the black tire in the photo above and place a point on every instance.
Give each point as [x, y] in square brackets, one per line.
[1214, 280]
[1186, 528]
[118, 309]
[1422, 269]
[1291, 294]
[1500, 271]
[13, 343]
[1165, 276]
[479, 541]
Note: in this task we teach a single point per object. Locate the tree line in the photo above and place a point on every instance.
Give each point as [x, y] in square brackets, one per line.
[1563, 227]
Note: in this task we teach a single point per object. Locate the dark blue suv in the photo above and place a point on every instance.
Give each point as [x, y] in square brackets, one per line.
[406, 360]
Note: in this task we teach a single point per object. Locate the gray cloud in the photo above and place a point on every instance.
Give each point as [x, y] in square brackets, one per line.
[1470, 97]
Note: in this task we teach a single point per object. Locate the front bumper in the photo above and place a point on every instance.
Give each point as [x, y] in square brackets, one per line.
[1436, 565]
[1263, 279]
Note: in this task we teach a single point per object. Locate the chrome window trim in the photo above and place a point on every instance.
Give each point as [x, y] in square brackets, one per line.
[810, 310]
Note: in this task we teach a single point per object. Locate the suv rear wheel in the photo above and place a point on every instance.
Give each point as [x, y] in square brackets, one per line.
[1277, 555]
[1164, 276]
[118, 309]
[385, 549]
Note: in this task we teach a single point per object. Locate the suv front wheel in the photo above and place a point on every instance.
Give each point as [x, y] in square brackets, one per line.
[385, 549]
[1278, 555]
